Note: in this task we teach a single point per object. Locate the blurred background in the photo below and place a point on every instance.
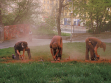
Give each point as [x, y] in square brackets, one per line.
[45, 18]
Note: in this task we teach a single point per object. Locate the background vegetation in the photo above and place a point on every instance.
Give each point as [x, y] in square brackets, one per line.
[18, 12]
[96, 13]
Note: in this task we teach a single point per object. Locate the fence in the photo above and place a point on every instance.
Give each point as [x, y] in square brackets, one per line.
[15, 31]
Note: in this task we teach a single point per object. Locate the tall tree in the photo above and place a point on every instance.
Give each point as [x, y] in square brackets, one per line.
[21, 11]
[93, 11]
[25, 11]
[1, 24]
[61, 6]
[0, 14]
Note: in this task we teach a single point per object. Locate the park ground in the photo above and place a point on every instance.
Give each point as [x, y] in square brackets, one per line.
[42, 69]
[42, 40]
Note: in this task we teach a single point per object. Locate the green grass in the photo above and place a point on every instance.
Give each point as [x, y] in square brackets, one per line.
[47, 31]
[7, 52]
[46, 72]
[65, 34]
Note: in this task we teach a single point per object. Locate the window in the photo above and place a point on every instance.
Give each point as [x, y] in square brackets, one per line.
[52, 3]
[65, 14]
[47, 2]
[47, 7]
[44, 1]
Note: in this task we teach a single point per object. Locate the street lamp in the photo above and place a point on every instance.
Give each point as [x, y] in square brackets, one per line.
[71, 14]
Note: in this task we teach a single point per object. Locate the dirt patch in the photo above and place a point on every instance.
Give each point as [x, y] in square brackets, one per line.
[83, 61]
[36, 59]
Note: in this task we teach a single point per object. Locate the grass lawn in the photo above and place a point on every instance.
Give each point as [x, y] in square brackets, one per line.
[47, 72]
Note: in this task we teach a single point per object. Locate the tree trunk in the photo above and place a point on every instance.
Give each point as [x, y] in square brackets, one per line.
[0, 14]
[1, 26]
[58, 18]
[58, 26]
[92, 23]
[97, 28]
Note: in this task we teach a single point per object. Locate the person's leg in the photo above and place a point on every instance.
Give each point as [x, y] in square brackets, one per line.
[54, 50]
[87, 50]
[91, 49]
[28, 51]
[16, 56]
[92, 54]
[87, 54]
[60, 54]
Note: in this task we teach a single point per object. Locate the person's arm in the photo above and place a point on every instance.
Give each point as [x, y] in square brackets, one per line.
[61, 45]
[56, 53]
[18, 53]
[61, 52]
[51, 50]
[95, 50]
[23, 52]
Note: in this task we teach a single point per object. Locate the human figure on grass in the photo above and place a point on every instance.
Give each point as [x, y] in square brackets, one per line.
[92, 45]
[21, 46]
[56, 47]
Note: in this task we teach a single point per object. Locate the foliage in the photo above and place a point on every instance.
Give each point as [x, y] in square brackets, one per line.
[44, 29]
[94, 11]
[106, 27]
[50, 21]
[8, 19]
[17, 12]
[65, 34]
[62, 4]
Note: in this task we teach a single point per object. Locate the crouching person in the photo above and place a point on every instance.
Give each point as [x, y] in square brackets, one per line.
[21, 46]
[56, 47]
[92, 45]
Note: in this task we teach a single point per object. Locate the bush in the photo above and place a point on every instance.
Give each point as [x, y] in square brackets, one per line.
[65, 34]
[106, 27]
[43, 29]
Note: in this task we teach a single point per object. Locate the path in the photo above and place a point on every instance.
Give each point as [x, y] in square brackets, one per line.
[46, 41]
[35, 42]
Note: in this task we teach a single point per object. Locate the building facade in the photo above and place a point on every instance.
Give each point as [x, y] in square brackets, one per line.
[50, 8]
